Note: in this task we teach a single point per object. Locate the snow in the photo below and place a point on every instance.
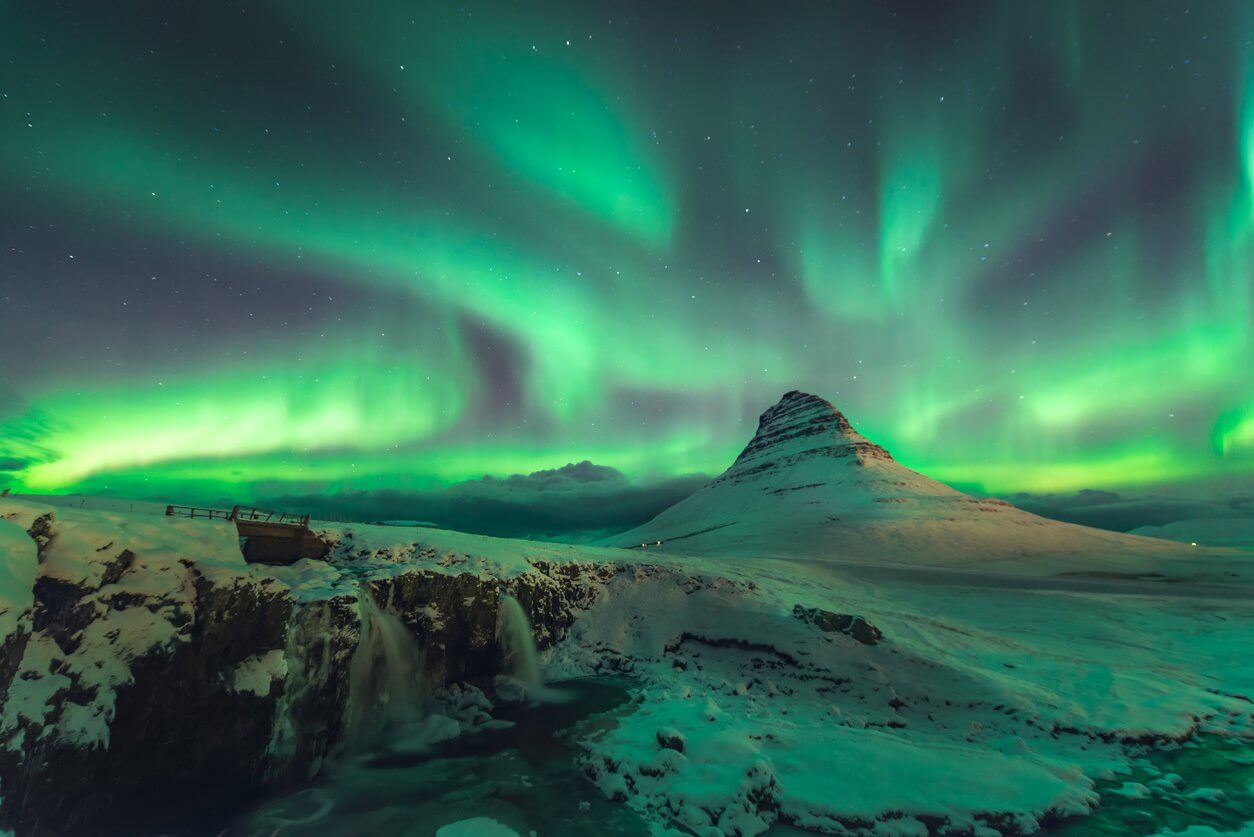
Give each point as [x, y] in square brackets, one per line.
[21, 512]
[1133, 790]
[99, 664]
[1017, 653]
[1025, 677]
[94, 502]
[133, 570]
[312, 581]
[32, 700]
[980, 668]
[258, 674]
[19, 564]
[446, 551]
[1018, 648]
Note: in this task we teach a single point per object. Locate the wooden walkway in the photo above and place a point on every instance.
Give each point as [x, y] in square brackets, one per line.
[271, 537]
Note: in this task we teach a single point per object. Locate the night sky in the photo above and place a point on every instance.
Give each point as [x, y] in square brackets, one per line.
[304, 249]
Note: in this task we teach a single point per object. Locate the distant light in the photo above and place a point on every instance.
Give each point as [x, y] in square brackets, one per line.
[1193, 544]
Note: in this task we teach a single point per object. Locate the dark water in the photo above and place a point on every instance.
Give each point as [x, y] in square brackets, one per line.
[523, 777]
[1205, 783]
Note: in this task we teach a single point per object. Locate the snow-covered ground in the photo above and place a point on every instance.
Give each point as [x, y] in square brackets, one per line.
[823, 638]
[989, 694]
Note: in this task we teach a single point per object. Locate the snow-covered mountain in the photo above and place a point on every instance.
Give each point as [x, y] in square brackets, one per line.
[775, 680]
[808, 484]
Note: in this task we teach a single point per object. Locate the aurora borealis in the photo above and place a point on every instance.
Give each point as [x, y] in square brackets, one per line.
[304, 248]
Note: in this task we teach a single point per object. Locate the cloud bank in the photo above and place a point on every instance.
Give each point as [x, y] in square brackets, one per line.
[578, 502]
[1220, 520]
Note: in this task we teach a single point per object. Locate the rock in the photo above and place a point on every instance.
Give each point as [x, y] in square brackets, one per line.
[508, 691]
[853, 626]
[671, 739]
[798, 415]
[1133, 790]
[465, 703]
[1211, 795]
[1168, 783]
[40, 531]
[124, 691]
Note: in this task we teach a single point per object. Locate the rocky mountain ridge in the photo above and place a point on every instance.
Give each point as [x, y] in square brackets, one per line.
[801, 425]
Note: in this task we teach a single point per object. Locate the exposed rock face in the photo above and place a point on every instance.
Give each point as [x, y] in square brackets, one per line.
[150, 679]
[828, 622]
[124, 691]
[454, 617]
[798, 427]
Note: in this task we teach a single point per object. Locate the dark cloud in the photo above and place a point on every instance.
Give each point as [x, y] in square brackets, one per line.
[9, 463]
[1148, 512]
[577, 502]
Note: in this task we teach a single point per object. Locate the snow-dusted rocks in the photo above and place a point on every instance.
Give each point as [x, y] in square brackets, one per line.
[978, 708]
[145, 661]
[855, 626]
[135, 678]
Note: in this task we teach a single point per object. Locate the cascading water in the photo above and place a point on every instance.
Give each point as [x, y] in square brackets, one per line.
[513, 632]
[307, 652]
[385, 677]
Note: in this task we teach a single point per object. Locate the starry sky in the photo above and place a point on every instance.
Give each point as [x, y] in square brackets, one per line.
[313, 249]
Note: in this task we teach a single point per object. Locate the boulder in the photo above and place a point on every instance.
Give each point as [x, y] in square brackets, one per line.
[844, 623]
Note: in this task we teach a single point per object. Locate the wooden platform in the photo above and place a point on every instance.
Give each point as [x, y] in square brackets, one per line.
[270, 537]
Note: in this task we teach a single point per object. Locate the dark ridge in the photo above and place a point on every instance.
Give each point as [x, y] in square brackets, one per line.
[799, 414]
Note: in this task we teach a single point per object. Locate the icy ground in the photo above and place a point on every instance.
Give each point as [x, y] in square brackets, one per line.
[820, 639]
[993, 699]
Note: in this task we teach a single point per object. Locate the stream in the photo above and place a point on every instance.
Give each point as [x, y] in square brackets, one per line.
[523, 777]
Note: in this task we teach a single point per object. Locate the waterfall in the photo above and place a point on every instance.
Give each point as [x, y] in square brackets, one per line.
[385, 676]
[513, 631]
[308, 653]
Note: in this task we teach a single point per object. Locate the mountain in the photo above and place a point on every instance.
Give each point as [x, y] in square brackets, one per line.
[809, 485]
[797, 653]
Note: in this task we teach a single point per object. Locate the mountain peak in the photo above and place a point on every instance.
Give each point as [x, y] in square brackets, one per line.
[799, 426]
[795, 401]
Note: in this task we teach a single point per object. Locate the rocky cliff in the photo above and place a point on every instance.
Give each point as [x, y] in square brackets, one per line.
[160, 676]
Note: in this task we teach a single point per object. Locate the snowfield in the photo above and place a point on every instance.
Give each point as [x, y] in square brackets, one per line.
[822, 638]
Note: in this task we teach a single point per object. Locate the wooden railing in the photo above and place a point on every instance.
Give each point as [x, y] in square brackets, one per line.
[257, 515]
[249, 514]
[192, 511]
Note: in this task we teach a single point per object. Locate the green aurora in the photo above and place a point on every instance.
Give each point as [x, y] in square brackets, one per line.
[315, 247]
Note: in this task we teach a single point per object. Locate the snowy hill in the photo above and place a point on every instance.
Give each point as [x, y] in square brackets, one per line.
[825, 640]
[808, 484]
[824, 695]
